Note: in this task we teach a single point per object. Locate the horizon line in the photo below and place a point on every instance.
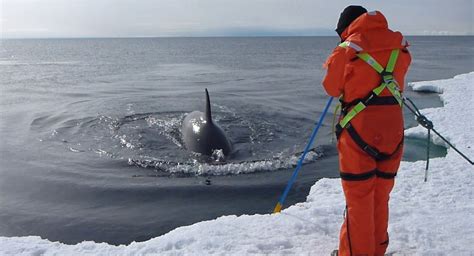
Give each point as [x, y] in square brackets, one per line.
[209, 36]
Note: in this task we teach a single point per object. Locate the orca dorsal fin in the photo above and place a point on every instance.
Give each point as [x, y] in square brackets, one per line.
[208, 108]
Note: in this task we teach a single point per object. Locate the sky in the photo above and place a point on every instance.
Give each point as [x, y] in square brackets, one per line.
[165, 18]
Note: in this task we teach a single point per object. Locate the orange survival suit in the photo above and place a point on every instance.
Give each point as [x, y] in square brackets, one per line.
[367, 71]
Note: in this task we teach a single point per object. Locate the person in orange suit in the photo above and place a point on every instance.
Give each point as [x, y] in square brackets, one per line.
[367, 72]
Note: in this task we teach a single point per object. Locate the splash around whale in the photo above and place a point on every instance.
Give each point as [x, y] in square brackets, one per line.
[202, 135]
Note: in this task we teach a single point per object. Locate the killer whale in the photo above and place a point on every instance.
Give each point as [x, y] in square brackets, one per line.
[201, 134]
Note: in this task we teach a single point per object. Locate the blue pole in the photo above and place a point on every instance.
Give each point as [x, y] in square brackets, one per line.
[279, 205]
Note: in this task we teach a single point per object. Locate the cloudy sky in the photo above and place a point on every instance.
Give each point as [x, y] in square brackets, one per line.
[137, 18]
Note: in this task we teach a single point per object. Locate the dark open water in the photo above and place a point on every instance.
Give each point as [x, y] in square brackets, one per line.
[84, 121]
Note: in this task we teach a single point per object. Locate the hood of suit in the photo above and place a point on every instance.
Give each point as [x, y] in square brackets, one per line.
[368, 21]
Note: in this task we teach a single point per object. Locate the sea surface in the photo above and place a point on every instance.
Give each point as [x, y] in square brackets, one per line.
[90, 141]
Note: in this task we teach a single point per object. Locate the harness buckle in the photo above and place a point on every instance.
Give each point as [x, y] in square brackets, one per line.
[368, 99]
[387, 77]
[371, 151]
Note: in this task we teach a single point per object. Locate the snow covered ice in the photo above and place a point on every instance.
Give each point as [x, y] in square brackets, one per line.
[432, 218]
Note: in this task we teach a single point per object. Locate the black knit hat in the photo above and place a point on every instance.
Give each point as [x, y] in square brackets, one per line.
[349, 14]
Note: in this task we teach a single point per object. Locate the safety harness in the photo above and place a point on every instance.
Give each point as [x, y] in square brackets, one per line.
[349, 110]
